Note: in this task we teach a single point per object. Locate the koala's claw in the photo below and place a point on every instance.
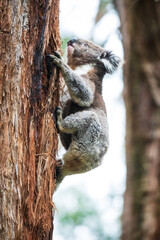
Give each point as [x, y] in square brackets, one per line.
[59, 111]
[57, 54]
[59, 163]
[52, 56]
[59, 166]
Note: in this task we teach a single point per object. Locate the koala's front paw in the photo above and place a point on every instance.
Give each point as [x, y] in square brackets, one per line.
[56, 60]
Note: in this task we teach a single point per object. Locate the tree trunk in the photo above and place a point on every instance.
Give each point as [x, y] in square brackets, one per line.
[140, 26]
[29, 93]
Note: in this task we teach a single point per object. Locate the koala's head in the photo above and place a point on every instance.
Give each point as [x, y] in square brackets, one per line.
[81, 52]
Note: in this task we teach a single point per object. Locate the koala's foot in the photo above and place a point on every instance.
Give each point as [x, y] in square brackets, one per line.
[59, 167]
[59, 112]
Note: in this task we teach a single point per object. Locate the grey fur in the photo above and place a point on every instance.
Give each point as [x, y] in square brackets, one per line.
[87, 124]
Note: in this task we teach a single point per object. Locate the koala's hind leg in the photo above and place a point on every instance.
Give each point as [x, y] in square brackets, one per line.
[71, 164]
[74, 163]
[77, 161]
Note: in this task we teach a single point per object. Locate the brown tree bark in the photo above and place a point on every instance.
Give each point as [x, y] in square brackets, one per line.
[140, 27]
[29, 93]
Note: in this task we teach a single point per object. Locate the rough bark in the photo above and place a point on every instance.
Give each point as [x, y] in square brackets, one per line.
[29, 93]
[140, 27]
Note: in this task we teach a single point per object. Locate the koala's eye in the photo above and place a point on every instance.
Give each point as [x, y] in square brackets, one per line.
[85, 44]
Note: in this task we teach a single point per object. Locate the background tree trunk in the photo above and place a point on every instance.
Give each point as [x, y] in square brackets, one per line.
[140, 26]
[29, 93]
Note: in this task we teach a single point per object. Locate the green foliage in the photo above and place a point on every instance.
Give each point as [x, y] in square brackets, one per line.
[82, 213]
[64, 43]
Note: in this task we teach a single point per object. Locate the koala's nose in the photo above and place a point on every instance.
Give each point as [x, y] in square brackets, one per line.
[70, 42]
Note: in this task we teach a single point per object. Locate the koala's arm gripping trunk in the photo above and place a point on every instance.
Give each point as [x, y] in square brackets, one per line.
[81, 89]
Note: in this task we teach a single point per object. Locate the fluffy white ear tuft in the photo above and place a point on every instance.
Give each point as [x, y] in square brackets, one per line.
[110, 61]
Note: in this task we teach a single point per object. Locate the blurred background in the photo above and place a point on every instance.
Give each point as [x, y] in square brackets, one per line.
[90, 205]
[121, 198]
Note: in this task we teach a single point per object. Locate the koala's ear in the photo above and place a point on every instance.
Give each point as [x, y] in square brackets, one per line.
[110, 61]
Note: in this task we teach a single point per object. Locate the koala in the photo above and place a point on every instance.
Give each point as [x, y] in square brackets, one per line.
[83, 123]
